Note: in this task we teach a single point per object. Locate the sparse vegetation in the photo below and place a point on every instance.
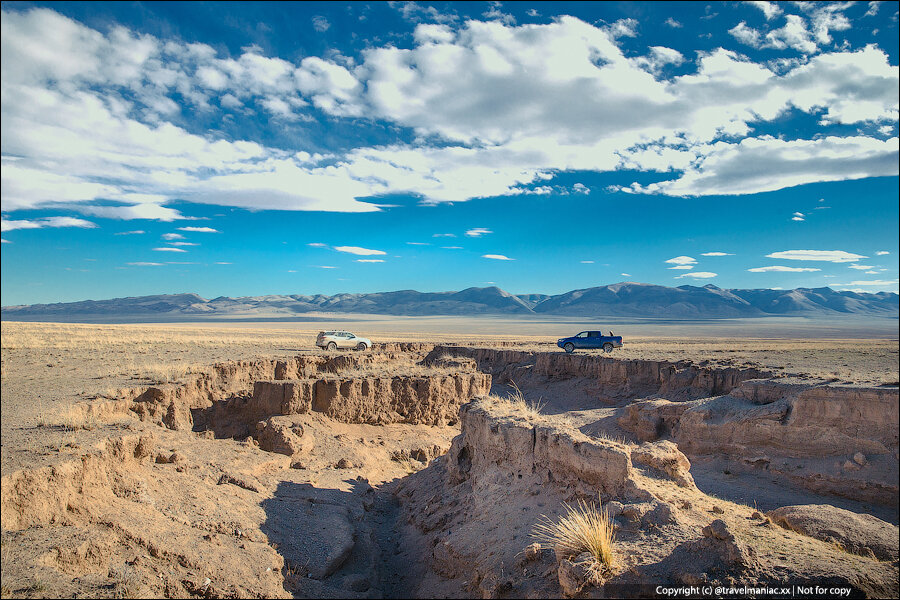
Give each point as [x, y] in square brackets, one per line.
[583, 528]
[515, 402]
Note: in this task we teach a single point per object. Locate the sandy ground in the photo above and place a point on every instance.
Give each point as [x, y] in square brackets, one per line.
[48, 367]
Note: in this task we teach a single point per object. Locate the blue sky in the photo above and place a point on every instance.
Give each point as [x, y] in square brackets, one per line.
[274, 148]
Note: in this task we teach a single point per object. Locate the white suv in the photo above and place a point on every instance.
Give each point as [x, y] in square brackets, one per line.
[332, 340]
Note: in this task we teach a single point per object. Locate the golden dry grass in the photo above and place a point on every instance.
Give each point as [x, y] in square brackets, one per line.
[514, 402]
[583, 528]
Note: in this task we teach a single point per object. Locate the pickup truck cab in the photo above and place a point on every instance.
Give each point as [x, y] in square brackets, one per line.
[591, 340]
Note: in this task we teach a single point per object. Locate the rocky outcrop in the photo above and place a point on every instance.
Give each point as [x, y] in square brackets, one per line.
[857, 533]
[834, 439]
[541, 452]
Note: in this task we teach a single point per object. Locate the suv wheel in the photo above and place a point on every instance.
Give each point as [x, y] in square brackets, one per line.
[361, 346]
[331, 346]
[607, 347]
[570, 347]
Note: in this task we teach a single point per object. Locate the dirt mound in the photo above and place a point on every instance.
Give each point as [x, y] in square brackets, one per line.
[856, 533]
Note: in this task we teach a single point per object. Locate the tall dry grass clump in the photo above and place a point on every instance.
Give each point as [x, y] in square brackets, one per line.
[515, 402]
[583, 528]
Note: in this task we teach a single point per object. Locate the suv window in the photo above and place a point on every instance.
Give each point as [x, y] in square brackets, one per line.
[583, 334]
[594, 334]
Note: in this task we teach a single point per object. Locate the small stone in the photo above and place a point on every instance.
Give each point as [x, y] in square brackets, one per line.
[718, 509]
[686, 505]
[859, 458]
[572, 576]
[343, 464]
[756, 515]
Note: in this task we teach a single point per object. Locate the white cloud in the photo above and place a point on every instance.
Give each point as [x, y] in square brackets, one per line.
[135, 232]
[799, 214]
[587, 262]
[797, 219]
[320, 23]
[869, 282]
[5, 241]
[699, 275]
[369, 260]
[766, 164]
[418, 243]
[860, 267]
[449, 235]
[673, 23]
[317, 245]
[793, 35]
[478, 232]
[222, 262]
[324, 267]
[452, 247]
[881, 253]
[625, 274]
[183, 244]
[172, 236]
[716, 254]
[169, 250]
[98, 107]
[837, 256]
[682, 260]
[682, 267]
[145, 264]
[781, 269]
[746, 34]
[769, 9]
[496, 257]
[359, 251]
[198, 229]
[11, 225]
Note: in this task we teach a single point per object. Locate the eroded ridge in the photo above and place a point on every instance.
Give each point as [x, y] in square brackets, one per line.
[477, 506]
[421, 471]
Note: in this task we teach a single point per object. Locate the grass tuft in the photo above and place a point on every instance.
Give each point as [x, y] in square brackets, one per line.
[583, 528]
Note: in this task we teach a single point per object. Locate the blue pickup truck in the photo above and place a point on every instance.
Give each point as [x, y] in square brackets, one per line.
[591, 340]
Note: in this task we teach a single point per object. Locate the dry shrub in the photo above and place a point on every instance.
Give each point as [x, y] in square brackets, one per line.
[583, 528]
[515, 402]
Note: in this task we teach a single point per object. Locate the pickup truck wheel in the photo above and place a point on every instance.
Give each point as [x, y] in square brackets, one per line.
[569, 347]
[361, 346]
[607, 347]
[331, 346]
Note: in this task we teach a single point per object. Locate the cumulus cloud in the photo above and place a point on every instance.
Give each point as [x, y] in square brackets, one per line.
[359, 251]
[781, 269]
[769, 9]
[496, 257]
[836, 256]
[93, 116]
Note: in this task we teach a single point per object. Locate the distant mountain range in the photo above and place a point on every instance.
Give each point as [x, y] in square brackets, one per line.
[621, 299]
